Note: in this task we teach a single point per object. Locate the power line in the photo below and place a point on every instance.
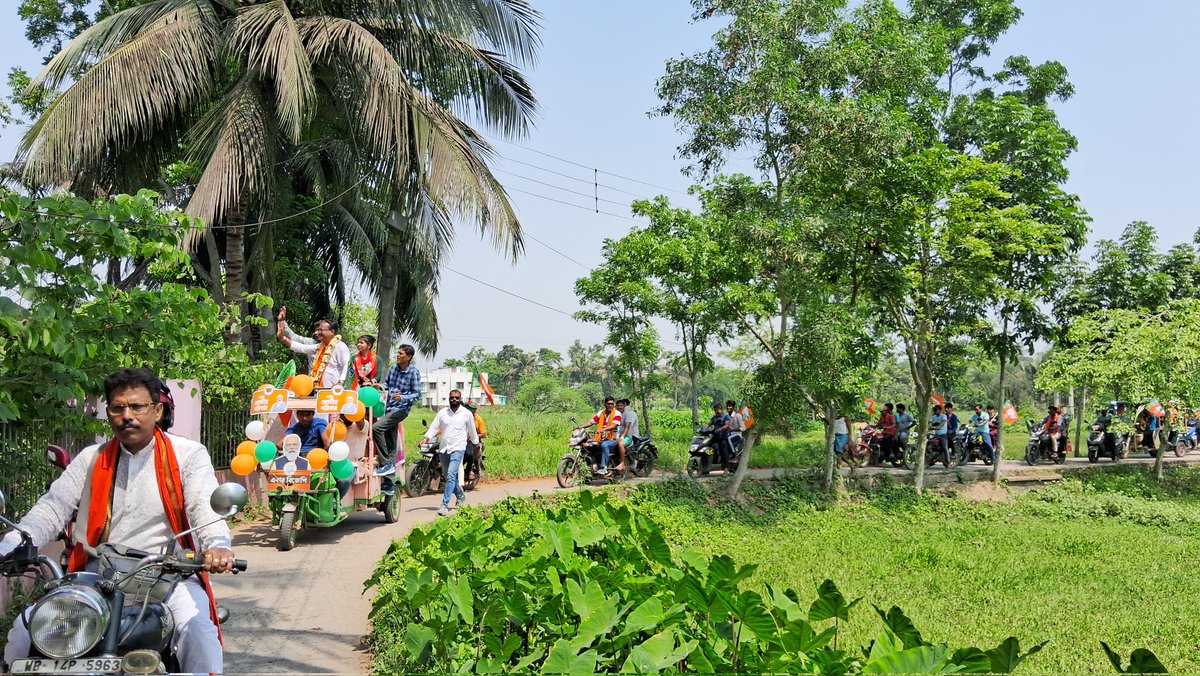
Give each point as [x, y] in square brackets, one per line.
[584, 166]
[510, 293]
[526, 234]
[556, 187]
[575, 178]
[570, 204]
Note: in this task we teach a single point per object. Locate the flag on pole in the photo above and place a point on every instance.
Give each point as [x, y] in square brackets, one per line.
[1009, 412]
[1156, 409]
[938, 399]
[487, 389]
[747, 415]
[870, 405]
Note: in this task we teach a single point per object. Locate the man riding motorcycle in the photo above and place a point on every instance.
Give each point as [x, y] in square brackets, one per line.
[607, 421]
[139, 489]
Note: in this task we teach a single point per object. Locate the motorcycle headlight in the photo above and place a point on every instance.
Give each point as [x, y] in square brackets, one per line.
[69, 621]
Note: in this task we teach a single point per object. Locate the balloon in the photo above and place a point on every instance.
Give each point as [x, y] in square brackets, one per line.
[255, 430]
[337, 430]
[359, 412]
[342, 469]
[267, 465]
[338, 450]
[245, 448]
[242, 464]
[369, 396]
[318, 458]
[265, 451]
[302, 385]
[379, 409]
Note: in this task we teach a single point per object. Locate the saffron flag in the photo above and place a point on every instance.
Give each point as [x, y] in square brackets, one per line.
[1156, 409]
[1009, 412]
[938, 399]
[747, 415]
[870, 405]
[487, 389]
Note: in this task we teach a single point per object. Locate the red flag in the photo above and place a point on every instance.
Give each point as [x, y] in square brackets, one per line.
[870, 405]
[1009, 412]
[1156, 409]
[938, 399]
[487, 389]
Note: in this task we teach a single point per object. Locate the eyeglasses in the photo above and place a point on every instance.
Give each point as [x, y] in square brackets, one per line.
[455, 398]
[118, 409]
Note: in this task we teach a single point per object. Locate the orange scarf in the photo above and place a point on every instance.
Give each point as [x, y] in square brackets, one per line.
[606, 419]
[322, 360]
[170, 489]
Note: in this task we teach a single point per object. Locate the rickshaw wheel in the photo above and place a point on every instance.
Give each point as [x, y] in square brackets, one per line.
[391, 508]
[287, 532]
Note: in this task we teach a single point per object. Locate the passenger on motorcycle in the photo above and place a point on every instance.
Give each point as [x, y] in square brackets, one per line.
[937, 425]
[139, 489]
[720, 434]
[904, 423]
[607, 422]
[887, 430]
[629, 430]
[980, 424]
[951, 421]
[993, 424]
[1050, 424]
[735, 425]
[476, 450]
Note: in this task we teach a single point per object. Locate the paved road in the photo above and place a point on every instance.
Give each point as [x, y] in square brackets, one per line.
[304, 610]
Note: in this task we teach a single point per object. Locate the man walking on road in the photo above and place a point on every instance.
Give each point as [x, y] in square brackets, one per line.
[456, 425]
[403, 390]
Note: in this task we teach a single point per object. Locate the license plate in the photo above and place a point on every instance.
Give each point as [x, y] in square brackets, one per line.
[79, 665]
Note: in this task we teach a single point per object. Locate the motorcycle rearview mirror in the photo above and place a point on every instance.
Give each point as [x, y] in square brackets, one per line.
[229, 499]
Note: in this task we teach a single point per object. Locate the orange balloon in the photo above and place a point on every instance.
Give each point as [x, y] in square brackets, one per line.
[243, 464]
[338, 431]
[317, 458]
[246, 448]
[302, 385]
[359, 413]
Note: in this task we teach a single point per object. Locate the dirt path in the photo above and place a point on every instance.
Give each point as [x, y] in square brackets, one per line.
[304, 611]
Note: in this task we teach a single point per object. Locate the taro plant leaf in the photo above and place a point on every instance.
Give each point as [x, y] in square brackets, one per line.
[459, 591]
[657, 653]
[792, 610]
[1141, 661]
[1006, 656]
[901, 626]
[924, 659]
[750, 612]
[830, 604]
[564, 660]
[646, 616]
[972, 661]
[799, 637]
[657, 548]
[525, 662]
[885, 644]
[418, 639]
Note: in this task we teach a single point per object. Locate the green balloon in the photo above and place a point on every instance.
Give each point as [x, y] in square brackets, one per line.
[265, 451]
[342, 469]
[369, 396]
[379, 408]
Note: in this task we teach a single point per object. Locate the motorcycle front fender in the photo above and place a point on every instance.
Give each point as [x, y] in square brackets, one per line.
[569, 455]
[290, 506]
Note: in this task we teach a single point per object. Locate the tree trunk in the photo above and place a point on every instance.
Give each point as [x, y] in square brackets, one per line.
[693, 400]
[740, 473]
[1079, 414]
[389, 271]
[235, 270]
[1161, 448]
[827, 480]
[1000, 424]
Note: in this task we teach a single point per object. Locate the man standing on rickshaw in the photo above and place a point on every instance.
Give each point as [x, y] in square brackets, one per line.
[330, 356]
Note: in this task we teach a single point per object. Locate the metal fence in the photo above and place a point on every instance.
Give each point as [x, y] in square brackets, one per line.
[25, 472]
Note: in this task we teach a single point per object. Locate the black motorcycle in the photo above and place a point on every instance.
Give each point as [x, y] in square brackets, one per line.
[582, 459]
[935, 452]
[971, 446]
[112, 617]
[1043, 446]
[640, 456]
[1103, 443]
[426, 471]
[703, 456]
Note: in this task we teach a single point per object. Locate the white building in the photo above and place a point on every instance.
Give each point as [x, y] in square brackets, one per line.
[436, 386]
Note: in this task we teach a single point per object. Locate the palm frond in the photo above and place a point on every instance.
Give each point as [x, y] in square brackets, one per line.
[162, 71]
[267, 36]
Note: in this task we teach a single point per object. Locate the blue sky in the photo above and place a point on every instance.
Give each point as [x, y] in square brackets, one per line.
[1137, 97]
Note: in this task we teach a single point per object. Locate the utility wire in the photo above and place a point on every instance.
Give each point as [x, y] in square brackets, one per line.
[577, 206]
[584, 166]
[510, 293]
[575, 178]
[525, 233]
[557, 187]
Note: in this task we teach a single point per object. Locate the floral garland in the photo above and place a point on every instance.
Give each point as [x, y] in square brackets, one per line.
[323, 356]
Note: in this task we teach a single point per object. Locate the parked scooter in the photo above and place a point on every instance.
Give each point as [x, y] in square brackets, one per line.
[1043, 446]
[703, 456]
[112, 620]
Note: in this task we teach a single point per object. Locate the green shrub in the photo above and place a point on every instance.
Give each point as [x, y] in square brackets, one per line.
[583, 584]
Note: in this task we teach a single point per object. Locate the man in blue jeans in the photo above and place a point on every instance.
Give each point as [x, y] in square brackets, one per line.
[403, 389]
[607, 422]
[456, 425]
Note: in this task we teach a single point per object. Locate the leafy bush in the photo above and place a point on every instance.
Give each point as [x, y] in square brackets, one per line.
[582, 585]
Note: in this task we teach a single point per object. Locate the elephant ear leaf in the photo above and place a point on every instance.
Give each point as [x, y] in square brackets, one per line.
[1143, 661]
[1006, 656]
[1113, 657]
[830, 604]
[901, 626]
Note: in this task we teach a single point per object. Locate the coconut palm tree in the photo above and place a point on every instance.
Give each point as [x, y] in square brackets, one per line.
[362, 105]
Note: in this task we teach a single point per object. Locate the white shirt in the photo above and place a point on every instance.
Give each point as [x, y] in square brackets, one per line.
[839, 425]
[339, 361]
[456, 428]
[736, 424]
[138, 519]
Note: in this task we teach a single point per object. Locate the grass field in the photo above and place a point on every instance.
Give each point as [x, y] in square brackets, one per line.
[1107, 559]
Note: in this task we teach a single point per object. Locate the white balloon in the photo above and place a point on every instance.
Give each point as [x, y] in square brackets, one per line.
[268, 465]
[289, 468]
[338, 450]
[255, 430]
